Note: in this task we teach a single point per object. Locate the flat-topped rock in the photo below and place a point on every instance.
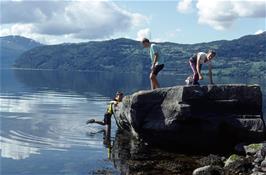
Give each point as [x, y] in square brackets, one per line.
[194, 114]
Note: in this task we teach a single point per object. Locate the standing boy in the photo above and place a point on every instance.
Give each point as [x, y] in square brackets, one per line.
[156, 60]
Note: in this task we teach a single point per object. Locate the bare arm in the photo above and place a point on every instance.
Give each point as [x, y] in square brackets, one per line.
[210, 73]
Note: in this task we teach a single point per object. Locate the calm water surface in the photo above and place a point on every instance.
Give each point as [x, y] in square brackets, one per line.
[43, 115]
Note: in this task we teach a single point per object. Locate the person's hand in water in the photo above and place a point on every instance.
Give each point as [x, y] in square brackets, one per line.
[200, 77]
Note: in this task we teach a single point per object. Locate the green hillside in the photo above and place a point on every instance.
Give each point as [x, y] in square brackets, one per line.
[243, 56]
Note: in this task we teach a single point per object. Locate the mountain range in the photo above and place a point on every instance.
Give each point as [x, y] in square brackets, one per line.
[12, 47]
[243, 56]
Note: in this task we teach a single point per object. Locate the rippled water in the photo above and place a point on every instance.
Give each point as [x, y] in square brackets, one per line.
[43, 115]
[43, 129]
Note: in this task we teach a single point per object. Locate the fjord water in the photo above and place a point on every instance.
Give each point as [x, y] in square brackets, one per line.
[43, 115]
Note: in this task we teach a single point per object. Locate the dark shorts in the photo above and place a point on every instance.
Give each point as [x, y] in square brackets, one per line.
[107, 119]
[157, 69]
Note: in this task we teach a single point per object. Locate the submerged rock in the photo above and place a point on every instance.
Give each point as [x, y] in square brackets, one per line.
[195, 116]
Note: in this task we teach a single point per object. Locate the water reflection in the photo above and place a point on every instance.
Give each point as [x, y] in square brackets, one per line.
[131, 156]
[46, 121]
[16, 149]
[104, 83]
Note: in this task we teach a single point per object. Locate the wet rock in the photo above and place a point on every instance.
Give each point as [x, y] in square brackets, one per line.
[129, 157]
[236, 164]
[263, 163]
[104, 172]
[253, 148]
[232, 159]
[208, 170]
[260, 157]
[211, 160]
[210, 116]
[258, 173]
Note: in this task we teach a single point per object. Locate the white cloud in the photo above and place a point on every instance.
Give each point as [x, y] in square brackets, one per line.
[27, 30]
[162, 37]
[184, 6]
[143, 33]
[172, 34]
[158, 40]
[76, 19]
[221, 14]
[259, 32]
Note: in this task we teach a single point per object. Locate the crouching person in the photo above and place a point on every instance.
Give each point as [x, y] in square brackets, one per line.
[196, 62]
[109, 112]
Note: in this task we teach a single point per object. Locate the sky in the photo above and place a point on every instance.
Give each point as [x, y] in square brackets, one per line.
[179, 21]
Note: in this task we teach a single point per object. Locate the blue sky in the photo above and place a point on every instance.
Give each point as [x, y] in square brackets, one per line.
[168, 24]
[183, 21]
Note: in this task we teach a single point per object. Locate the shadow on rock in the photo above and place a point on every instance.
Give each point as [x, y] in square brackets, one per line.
[132, 156]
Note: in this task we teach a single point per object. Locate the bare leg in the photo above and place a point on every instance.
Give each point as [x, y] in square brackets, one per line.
[154, 81]
[95, 121]
[99, 122]
[151, 81]
[108, 130]
[107, 140]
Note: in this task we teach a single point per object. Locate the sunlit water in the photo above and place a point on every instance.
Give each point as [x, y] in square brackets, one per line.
[43, 115]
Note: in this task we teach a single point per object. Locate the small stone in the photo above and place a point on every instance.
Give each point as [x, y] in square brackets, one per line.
[258, 173]
[253, 148]
[255, 169]
[208, 170]
[260, 154]
[256, 166]
[231, 159]
[263, 163]
[258, 160]
[223, 159]
[263, 169]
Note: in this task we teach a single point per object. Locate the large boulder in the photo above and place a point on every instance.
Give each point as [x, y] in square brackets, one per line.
[197, 116]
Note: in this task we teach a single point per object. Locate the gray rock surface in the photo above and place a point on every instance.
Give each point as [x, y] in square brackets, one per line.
[252, 163]
[208, 170]
[194, 114]
[211, 160]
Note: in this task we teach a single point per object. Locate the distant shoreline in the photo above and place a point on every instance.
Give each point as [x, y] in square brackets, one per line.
[165, 72]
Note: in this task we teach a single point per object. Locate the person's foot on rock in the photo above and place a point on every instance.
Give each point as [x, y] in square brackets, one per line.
[90, 121]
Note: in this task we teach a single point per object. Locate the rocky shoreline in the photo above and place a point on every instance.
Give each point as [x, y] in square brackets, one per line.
[204, 124]
[250, 160]
[133, 156]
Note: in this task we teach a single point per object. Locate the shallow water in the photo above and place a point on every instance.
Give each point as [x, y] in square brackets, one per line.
[43, 115]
